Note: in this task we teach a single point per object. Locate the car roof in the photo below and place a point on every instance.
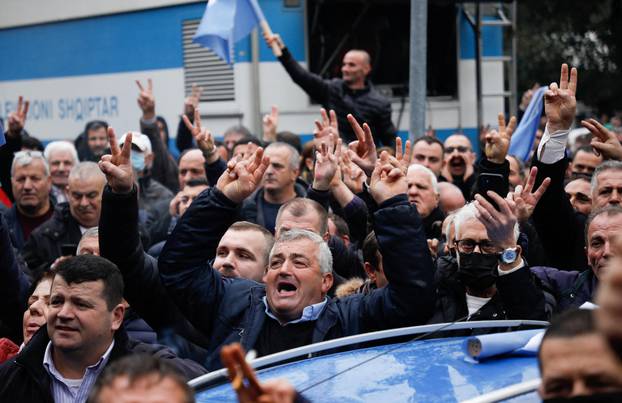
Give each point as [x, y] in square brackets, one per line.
[423, 370]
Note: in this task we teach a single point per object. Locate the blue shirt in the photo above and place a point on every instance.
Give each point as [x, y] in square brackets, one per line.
[311, 312]
[73, 390]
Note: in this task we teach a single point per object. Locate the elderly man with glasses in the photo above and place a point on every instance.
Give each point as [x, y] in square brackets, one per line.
[486, 278]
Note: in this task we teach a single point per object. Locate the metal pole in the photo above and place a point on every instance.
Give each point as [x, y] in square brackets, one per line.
[513, 73]
[418, 66]
[255, 120]
[478, 66]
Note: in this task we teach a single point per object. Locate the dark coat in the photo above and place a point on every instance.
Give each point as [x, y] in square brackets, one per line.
[15, 229]
[232, 310]
[13, 288]
[570, 289]
[367, 105]
[44, 244]
[24, 378]
[252, 207]
[559, 227]
[12, 145]
[518, 296]
[120, 243]
[153, 195]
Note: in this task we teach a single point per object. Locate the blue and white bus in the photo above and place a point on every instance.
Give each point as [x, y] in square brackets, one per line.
[77, 60]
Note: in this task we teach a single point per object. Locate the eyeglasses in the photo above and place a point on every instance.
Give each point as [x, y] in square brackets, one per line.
[461, 149]
[485, 246]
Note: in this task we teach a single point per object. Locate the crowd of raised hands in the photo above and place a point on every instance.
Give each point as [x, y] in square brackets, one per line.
[423, 232]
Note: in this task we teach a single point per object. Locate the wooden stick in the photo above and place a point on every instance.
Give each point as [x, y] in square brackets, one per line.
[276, 49]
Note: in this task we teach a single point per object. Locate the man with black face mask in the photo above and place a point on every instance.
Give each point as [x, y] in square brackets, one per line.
[485, 278]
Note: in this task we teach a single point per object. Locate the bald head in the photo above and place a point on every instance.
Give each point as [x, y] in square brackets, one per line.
[451, 197]
[191, 167]
[355, 68]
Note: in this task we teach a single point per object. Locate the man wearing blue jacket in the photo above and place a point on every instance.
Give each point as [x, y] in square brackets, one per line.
[291, 309]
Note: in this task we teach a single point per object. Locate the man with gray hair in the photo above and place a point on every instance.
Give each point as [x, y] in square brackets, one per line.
[291, 308]
[61, 157]
[31, 183]
[486, 279]
[70, 220]
[423, 193]
[278, 186]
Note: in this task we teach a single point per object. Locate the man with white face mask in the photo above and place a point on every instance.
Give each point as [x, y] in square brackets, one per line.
[151, 193]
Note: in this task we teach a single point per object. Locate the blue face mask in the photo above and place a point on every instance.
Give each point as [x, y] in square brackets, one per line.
[138, 161]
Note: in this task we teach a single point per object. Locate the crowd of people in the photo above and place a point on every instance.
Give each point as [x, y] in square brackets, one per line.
[115, 255]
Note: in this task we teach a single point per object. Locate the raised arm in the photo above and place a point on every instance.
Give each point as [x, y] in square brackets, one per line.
[164, 169]
[408, 299]
[120, 242]
[196, 288]
[13, 286]
[312, 84]
[559, 227]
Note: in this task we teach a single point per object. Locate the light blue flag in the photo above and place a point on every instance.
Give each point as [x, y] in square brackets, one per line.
[225, 22]
[2, 139]
[525, 134]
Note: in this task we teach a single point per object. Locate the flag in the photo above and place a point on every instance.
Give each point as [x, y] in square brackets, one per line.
[2, 139]
[225, 22]
[525, 134]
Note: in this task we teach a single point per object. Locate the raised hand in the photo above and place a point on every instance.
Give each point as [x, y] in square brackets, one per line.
[243, 176]
[245, 382]
[603, 141]
[326, 170]
[403, 156]
[146, 100]
[117, 165]
[202, 136]
[270, 123]
[560, 104]
[17, 119]
[387, 179]
[192, 101]
[325, 128]
[353, 175]
[274, 42]
[499, 223]
[498, 142]
[364, 147]
[525, 198]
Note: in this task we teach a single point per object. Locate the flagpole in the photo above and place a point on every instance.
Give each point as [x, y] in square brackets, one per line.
[265, 27]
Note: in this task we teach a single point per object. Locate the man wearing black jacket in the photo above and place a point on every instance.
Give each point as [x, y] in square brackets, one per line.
[353, 93]
[82, 336]
[288, 312]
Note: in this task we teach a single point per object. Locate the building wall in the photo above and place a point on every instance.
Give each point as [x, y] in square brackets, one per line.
[77, 61]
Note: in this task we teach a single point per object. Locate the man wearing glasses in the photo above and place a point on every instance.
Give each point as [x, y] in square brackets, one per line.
[487, 278]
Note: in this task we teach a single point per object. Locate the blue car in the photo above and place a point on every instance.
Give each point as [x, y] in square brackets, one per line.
[425, 368]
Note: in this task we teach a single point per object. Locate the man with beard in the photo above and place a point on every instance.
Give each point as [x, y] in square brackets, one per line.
[61, 157]
[486, 278]
[93, 142]
[459, 159]
[580, 195]
[70, 220]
